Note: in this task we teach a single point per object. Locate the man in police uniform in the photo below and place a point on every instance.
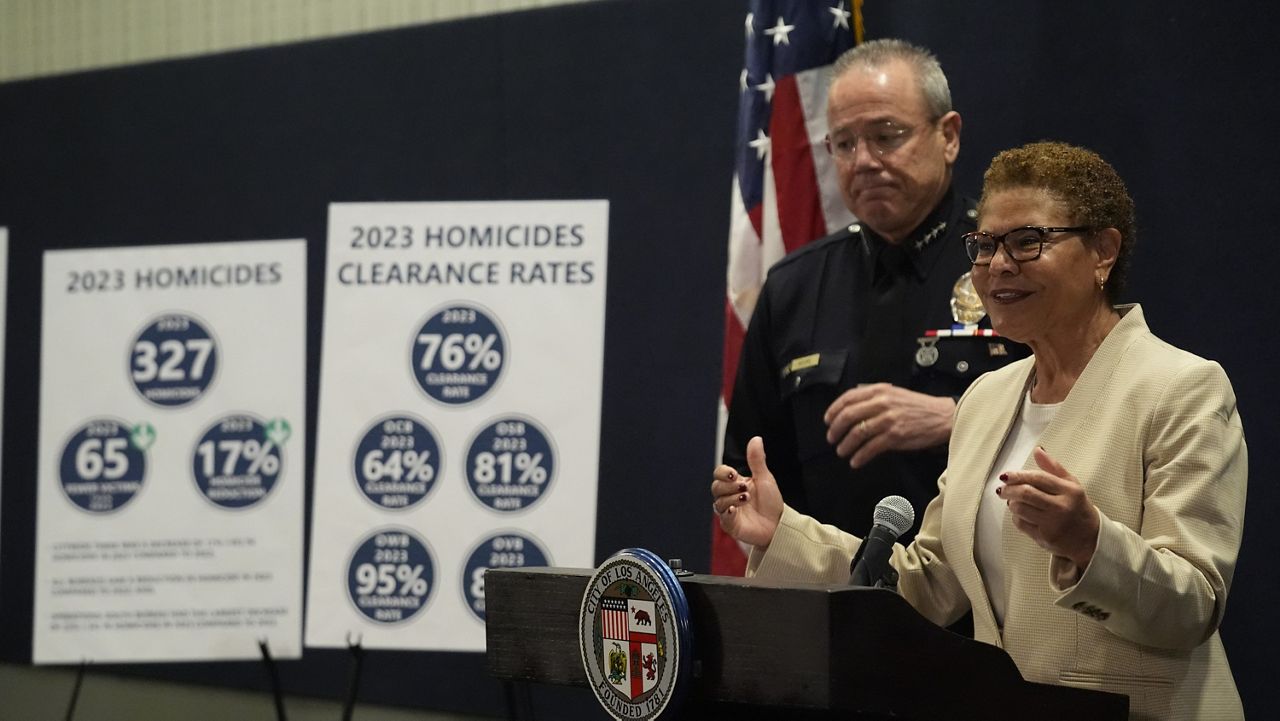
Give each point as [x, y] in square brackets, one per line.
[836, 373]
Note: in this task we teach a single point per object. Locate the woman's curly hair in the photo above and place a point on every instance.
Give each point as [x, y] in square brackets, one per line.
[1091, 189]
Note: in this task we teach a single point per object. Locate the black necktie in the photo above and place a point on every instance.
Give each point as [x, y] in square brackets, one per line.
[880, 357]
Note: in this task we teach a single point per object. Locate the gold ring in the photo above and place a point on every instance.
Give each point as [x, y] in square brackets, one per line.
[862, 426]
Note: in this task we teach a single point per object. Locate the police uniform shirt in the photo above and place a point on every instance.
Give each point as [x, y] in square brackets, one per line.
[844, 310]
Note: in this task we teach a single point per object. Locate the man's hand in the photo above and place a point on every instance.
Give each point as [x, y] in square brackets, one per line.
[869, 420]
[1051, 507]
[748, 508]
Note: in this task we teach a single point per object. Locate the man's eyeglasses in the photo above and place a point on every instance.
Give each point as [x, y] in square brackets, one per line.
[882, 138]
[1022, 244]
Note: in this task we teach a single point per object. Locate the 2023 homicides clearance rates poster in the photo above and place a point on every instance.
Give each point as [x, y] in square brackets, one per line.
[170, 499]
[459, 418]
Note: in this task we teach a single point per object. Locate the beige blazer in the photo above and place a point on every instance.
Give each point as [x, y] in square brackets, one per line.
[1153, 435]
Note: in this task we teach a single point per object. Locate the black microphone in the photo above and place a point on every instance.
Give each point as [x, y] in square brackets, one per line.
[893, 517]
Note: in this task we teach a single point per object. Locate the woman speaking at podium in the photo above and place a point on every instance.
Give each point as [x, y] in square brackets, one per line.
[1093, 502]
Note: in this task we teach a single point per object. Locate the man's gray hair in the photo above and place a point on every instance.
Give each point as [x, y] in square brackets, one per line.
[877, 53]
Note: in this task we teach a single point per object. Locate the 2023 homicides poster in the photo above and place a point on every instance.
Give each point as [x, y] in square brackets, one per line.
[459, 418]
[170, 499]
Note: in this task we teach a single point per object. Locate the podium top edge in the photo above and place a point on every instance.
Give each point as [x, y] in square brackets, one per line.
[700, 578]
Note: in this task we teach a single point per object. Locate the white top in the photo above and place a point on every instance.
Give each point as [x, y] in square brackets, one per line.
[992, 511]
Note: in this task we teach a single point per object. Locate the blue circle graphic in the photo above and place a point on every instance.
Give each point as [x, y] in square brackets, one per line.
[510, 464]
[104, 464]
[397, 462]
[457, 356]
[237, 462]
[173, 360]
[513, 549]
[391, 576]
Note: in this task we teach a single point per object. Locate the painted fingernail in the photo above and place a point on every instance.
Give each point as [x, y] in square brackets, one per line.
[1004, 476]
[742, 487]
[732, 475]
[742, 497]
[999, 490]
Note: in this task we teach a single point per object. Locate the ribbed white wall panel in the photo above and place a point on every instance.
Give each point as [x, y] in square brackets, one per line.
[47, 37]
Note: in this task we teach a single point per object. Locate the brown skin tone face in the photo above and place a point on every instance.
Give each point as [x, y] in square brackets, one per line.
[1052, 303]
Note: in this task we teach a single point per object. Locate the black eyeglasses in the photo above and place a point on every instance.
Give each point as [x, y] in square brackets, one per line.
[1022, 244]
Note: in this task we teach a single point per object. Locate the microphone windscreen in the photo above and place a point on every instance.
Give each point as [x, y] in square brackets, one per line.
[895, 513]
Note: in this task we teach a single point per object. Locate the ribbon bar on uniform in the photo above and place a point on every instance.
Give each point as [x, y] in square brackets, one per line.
[950, 332]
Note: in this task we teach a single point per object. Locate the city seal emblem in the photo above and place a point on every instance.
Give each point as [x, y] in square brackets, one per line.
[634, 635]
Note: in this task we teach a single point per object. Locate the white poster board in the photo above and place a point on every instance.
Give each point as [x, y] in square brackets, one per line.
[459, 418]
[172, 418]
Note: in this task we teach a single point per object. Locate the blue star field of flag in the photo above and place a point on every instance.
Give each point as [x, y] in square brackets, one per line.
[783, 37]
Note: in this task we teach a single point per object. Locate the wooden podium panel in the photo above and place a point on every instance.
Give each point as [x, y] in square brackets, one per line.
[812, 651]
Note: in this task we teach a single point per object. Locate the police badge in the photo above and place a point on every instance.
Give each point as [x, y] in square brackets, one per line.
[634, 635]
[966, 304]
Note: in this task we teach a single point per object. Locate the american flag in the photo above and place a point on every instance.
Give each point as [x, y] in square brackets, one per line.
[613, 618]
[784, 188]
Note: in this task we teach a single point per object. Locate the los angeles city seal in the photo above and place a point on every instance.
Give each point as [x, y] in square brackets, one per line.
[633, 631]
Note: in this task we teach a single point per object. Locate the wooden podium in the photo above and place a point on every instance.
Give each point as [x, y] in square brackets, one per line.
[769, 651]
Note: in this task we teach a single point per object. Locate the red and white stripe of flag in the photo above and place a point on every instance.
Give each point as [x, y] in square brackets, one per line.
[613, 624]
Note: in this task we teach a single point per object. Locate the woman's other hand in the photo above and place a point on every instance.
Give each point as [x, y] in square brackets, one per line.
[1051, 507]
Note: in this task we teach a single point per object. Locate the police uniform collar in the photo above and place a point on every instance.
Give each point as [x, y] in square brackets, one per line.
[923, 246]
